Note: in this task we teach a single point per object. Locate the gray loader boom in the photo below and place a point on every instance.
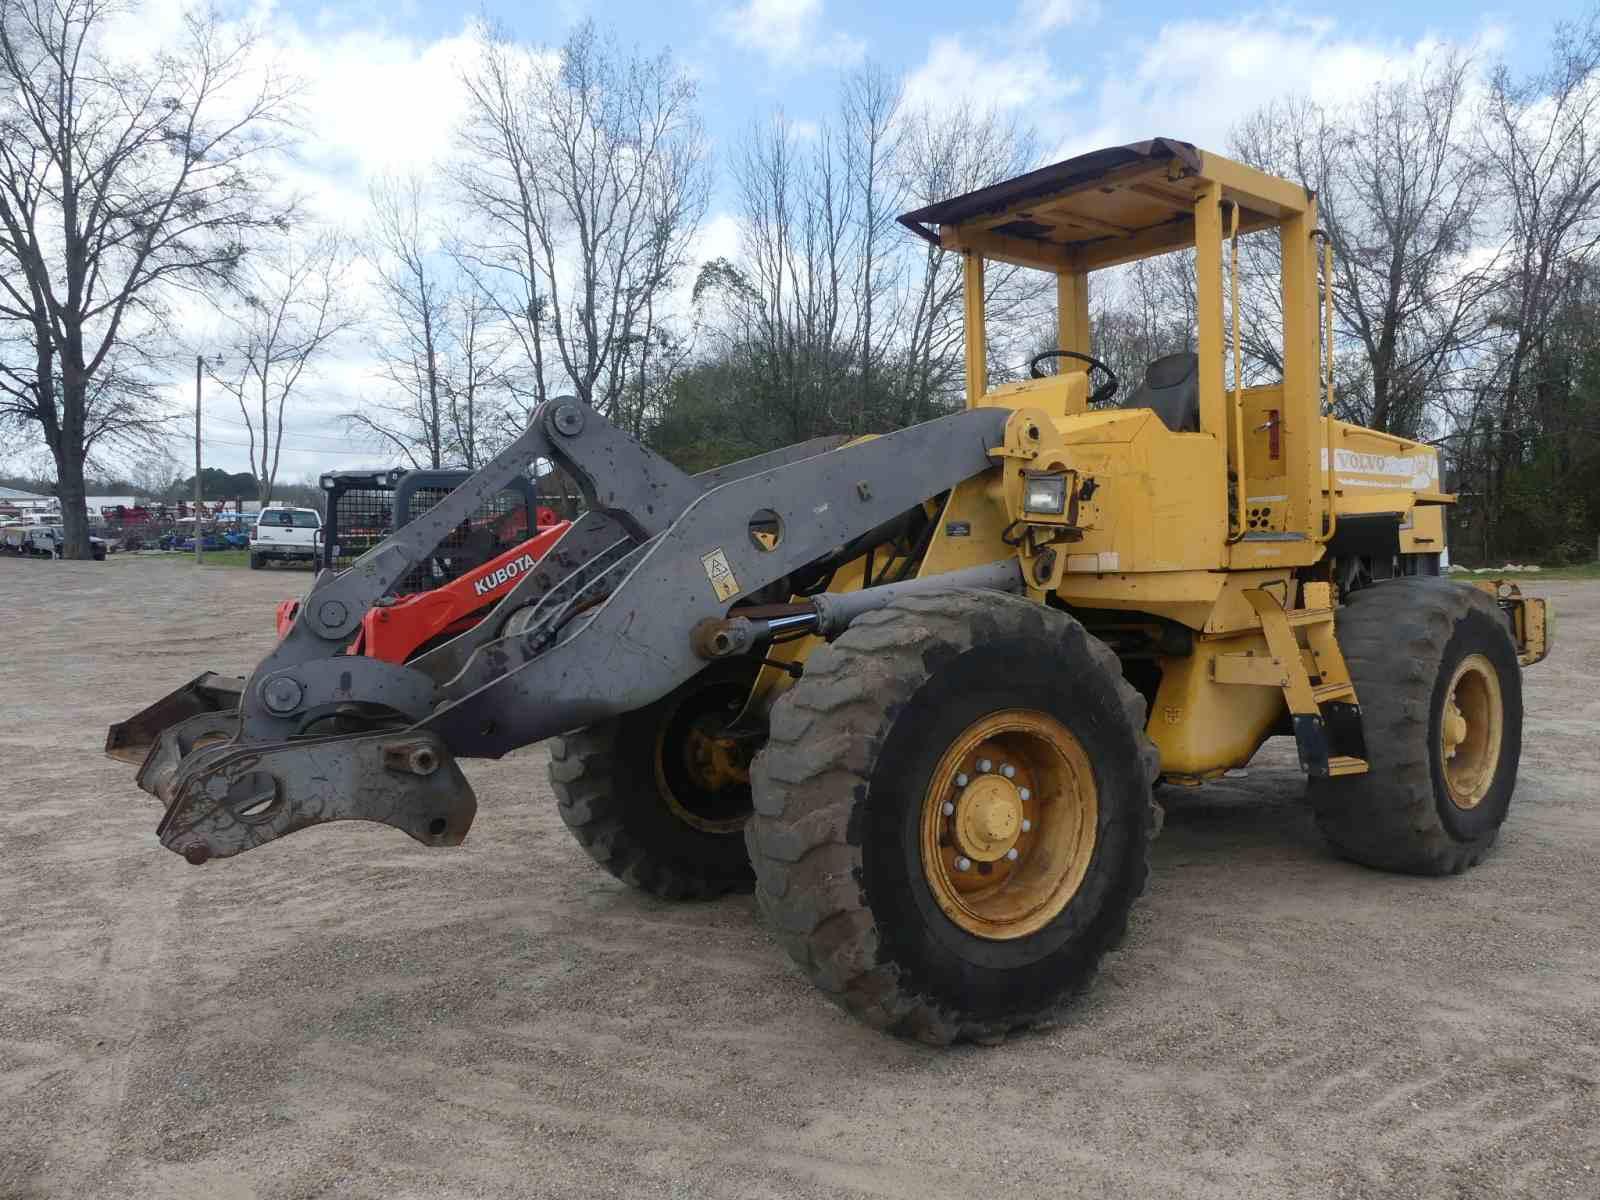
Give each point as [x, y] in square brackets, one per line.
[640, 593]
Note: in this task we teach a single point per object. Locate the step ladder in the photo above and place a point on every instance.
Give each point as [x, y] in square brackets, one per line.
[1315, 680]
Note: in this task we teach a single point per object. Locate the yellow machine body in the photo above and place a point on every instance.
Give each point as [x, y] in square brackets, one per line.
[1224, 531]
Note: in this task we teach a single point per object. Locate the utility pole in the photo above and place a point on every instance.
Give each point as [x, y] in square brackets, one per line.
[197, 493]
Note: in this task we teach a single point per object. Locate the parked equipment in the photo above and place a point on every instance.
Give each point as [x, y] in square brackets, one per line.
[462, 577]
[916, 688]
[45, 541]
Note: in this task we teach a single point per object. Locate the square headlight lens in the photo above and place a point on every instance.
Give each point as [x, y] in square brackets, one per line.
[1045, 494]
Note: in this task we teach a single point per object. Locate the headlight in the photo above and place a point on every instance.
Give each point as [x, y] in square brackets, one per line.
[1045, 492]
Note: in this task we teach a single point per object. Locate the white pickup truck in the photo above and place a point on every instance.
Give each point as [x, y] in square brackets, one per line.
[285, 534]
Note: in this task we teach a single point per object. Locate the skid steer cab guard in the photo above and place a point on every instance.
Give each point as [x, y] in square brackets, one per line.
[449, 590]
[915, 689]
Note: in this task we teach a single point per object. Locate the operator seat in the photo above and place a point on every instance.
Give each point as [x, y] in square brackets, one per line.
[1171, 389]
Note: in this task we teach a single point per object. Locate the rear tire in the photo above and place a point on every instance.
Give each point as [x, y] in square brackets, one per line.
[255, 562]
[872, 793]
[640, 800]
[1431, 803]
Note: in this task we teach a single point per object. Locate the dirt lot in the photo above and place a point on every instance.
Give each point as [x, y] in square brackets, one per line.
[348, 1014]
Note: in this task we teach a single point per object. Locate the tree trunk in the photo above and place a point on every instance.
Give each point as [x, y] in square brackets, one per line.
[74, 508]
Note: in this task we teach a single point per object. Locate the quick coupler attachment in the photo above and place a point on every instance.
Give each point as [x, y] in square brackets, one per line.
[223, 800]
[130, 741]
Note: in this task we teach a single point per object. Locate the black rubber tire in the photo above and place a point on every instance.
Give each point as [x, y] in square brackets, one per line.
[255, 562]
[1403, 640]
[838, 794]
[606, 789]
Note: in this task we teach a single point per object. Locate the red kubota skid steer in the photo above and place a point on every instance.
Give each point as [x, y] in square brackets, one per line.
[464, 577]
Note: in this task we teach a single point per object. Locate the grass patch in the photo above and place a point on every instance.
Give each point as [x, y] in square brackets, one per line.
[211, 558]
[1577, 571]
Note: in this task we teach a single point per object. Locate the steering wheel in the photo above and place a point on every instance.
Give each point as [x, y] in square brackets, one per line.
[1102, 393]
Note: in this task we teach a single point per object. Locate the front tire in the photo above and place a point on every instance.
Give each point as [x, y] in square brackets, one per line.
[1440, 688]
[886, 815]
[659, 797]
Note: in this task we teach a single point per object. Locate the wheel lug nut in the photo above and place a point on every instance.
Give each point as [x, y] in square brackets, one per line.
[1012, 854]
[1008, 771]
[984, 766]
[963, 864]
[949, 809]
[1024, 794]
[961, 780]
[1026, 825]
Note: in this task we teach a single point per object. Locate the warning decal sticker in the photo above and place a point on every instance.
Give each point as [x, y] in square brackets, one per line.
[720, 574]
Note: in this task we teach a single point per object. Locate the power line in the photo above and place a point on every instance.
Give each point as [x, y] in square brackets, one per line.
[330, 437]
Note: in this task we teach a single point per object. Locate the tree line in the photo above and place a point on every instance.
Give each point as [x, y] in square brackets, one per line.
[557, 249]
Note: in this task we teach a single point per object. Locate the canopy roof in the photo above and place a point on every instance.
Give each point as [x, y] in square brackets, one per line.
[1098, 209]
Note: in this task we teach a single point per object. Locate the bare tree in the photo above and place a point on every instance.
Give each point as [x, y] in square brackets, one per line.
[1541, 145]
[117, 179]
[942, 154]
[1400, 195]
[479, 376]
[415, 295]
[288, 307]
[1142, 312]
[440, 342]
[588, 171]
[872, 129]
[157, 476]
[832, 319]
[796, 221]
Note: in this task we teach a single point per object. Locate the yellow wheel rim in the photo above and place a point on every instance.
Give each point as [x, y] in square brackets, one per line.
[697, 757]
[1008, 824]
[1470, 731]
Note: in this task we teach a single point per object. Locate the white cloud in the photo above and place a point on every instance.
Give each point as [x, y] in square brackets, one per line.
[1045, 16]
[1192, 80]
[957, 71]
[718, 238]
[1006, 66]
[1196, 79]
[790, 33]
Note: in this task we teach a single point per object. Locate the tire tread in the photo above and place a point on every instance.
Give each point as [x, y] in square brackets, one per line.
[818, 759]
[1393, 636]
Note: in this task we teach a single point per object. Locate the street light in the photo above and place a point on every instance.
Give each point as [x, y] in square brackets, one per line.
[199, 365]
[199, 362]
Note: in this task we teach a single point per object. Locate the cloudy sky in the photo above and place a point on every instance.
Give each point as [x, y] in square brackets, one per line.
[382, 94]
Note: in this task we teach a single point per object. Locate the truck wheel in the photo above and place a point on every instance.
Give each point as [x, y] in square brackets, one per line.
[659, 797]
[1440, 689]
[953, 814]
[255, 562]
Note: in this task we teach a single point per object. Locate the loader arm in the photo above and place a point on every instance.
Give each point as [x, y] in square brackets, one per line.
[605, 624]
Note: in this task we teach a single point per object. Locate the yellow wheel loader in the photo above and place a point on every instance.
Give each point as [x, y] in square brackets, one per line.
[916, 689]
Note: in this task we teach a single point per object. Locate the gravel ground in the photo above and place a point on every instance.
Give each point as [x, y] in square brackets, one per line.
[345, 1013]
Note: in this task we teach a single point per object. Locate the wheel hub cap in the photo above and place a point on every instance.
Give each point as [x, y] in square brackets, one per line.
[988, 818]
[1009, 821]
[1455, 730]
[1471, 728]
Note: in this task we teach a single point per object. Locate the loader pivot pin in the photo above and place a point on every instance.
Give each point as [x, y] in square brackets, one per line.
[569, 420]
[418, 758]
[282, 694]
